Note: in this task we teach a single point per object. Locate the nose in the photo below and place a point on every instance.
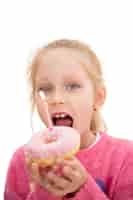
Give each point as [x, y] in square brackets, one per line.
[57, 98]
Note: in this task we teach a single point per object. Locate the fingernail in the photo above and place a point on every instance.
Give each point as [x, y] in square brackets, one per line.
[34, 166]
[59, 160]
[65, 169]
[32, 187]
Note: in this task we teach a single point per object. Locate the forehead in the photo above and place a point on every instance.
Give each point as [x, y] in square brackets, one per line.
[62, 61]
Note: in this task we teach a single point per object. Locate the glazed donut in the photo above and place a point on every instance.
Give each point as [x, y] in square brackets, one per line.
[47, 146]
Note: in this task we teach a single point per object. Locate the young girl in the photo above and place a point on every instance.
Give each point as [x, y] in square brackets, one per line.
[70, 75]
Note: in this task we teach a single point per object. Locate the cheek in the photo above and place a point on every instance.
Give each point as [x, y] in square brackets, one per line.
[84, 110]
[40, 112]
[40, 109]
[86, 106]
[86, 102]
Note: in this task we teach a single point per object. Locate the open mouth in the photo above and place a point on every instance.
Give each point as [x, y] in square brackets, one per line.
[62, 120]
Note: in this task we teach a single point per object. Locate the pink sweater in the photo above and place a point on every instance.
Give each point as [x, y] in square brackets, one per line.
[109, 162]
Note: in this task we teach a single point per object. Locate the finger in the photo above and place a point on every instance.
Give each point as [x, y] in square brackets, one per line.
[73, 163]
[28, 162]
[57, 181]
[55, 168]
[44, 170]
[29, 168]
[59, 161]
[55, 190]
[32, 186]
[35, 172]
[71, 174]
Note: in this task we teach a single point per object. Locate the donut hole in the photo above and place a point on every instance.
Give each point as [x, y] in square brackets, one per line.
[50, 138]
[63, 121]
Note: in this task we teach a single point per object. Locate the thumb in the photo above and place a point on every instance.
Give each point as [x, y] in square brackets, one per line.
[32, 186]
[35, 172]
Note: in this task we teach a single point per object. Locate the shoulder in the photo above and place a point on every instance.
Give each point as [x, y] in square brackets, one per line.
[18, 156]
[17, 162]
[118, 147]
[17, 168]
[123, 144]
[122, 165]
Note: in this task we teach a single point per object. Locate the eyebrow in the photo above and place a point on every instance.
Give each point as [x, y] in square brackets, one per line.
[42, 80]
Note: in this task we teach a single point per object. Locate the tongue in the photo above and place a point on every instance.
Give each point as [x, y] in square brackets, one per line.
[63, 122]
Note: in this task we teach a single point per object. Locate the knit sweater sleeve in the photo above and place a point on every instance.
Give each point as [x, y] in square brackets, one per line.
[16, 179]
[121, 190]
[90, 190]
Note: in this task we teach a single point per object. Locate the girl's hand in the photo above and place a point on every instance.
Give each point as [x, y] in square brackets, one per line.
[72, 177]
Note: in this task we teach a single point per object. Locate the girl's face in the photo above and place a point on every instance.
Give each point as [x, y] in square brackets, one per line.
[68, 90]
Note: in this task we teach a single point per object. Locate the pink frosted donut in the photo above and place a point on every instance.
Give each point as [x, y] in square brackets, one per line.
[46, 146]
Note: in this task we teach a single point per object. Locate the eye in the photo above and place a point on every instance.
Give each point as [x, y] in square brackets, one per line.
[73, 86]
[46, 89]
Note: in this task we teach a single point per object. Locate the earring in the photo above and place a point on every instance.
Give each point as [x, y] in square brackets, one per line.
[94, 109]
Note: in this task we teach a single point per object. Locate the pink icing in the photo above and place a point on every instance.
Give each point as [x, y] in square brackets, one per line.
[52, 143]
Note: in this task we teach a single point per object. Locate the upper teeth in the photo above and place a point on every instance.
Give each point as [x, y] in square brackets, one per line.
[60, 115]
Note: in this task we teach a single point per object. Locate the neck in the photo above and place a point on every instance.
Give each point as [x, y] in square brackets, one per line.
[88, 139]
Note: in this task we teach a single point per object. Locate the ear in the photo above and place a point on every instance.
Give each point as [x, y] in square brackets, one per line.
[100, 97]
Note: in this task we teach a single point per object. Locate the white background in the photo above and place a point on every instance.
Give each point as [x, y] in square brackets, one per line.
[27, 24]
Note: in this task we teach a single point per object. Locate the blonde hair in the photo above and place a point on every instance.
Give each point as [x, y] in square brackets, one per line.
[97, 122]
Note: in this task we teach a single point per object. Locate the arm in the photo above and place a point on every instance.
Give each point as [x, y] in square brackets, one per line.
[90, 190]
[17, 181]
[121, 190]
[16, 187]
